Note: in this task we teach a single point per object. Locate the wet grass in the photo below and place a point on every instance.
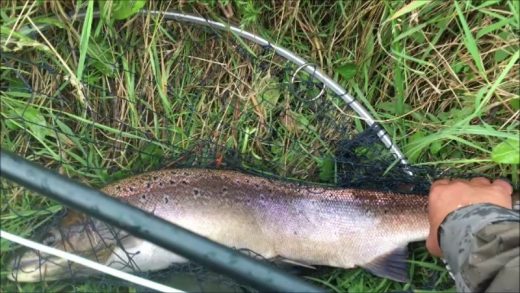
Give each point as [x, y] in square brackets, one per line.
[99, 100]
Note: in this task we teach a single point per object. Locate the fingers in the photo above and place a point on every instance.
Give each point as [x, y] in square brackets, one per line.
[440, 182]
[432, 245]
[504, 185]
[448, 195]
[480, 181]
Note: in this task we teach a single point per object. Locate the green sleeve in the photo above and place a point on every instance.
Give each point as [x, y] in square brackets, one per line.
[481, 246]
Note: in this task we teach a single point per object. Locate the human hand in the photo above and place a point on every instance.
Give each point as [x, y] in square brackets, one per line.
[447, 196]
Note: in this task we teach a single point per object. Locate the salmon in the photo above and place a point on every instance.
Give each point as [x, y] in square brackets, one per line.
[310, 225]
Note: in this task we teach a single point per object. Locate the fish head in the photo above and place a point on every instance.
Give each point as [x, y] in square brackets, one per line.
[75, 233]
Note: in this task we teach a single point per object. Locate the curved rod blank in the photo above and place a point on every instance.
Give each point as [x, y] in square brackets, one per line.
[308, 67]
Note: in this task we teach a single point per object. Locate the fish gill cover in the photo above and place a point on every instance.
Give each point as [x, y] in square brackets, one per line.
[160, 94]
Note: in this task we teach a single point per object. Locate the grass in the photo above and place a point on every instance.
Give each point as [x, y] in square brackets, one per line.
[442, 78]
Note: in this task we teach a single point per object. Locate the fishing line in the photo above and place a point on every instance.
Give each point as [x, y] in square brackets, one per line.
[88, 263]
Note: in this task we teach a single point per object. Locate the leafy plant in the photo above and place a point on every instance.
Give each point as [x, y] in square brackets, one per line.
[119, 9]
[507, 152]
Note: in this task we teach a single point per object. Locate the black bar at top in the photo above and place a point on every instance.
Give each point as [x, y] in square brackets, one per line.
[218, 257]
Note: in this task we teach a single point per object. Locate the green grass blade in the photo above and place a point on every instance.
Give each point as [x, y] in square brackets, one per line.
[514, 6]
[494, 27]
[497, 83]
[414, 5]
[85, 37]
[470, 43]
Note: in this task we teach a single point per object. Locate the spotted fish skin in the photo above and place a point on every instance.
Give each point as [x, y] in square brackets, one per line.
[306, 224]
[313, 225]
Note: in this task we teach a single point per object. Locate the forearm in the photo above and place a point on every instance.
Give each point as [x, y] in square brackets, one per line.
[481, 245]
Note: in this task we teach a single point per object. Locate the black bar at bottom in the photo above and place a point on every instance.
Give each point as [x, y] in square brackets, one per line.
[222, 259]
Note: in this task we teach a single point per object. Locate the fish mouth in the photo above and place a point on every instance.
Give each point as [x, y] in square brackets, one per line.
[34, 267]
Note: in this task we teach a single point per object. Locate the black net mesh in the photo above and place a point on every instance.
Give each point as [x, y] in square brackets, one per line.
[181, 96]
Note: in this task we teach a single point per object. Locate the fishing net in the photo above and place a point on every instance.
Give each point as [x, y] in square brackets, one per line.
[169, 95]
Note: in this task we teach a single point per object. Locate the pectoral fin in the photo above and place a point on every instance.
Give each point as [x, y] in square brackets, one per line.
[392, 265]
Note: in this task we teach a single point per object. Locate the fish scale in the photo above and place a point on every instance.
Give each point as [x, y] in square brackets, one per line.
[301, 223]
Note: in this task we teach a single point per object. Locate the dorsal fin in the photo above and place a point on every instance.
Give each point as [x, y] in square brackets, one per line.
[392, 265]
